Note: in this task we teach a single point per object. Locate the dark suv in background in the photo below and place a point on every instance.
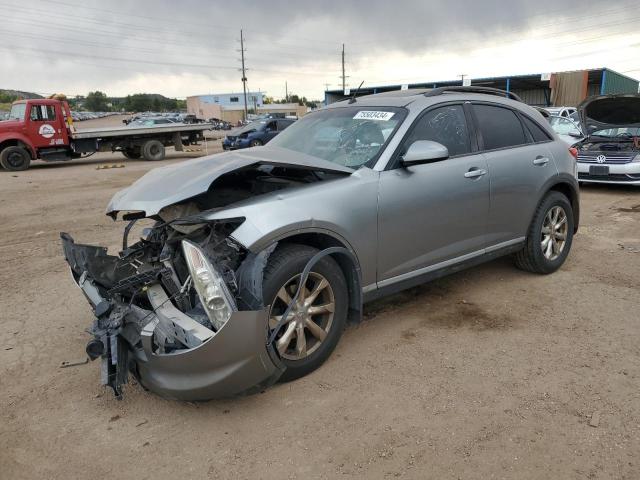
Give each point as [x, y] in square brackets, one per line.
[255, 133]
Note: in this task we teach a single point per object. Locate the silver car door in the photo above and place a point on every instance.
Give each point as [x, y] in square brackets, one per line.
[519, 162]
[435, 212]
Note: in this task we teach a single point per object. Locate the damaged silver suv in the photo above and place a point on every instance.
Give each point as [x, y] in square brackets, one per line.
[255, 260]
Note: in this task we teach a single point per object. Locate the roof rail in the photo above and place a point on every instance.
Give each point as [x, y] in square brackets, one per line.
[486, 90]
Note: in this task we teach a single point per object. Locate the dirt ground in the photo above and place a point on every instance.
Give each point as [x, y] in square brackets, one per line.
[490, 373]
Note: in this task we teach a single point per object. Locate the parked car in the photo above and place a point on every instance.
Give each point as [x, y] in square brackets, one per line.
[258, 258]
[568, 130]
[610, 153]
[255, 134]
[191, 119]
[151, 122]
[561, 111]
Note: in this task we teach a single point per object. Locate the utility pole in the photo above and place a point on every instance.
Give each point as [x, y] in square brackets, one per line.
[326, 87]
[462, 77]
[286, 92]
[344, 77]
[244, 75]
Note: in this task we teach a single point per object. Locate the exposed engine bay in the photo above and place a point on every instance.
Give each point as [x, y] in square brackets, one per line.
[181, 308]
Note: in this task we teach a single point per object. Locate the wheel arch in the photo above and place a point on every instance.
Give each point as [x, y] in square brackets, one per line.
[18, 142]
[570, 190]
[349, 264]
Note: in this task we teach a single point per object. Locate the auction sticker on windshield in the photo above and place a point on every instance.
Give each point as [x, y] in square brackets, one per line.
[373, 115]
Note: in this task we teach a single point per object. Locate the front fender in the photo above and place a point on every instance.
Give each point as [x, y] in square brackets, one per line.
[14, 137]
[344, 209]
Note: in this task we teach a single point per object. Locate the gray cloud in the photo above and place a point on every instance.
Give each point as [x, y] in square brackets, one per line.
[66, 45]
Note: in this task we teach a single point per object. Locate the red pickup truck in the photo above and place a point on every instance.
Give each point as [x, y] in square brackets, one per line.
[43, 129]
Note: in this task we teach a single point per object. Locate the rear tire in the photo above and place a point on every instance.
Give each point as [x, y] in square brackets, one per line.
[132, 153]
[153, 150]
[549, 237]
[15, 159]
[329, 313]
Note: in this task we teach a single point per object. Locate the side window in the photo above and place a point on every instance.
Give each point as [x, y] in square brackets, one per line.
[272, 126]
[446, 125]
[500, 127]
[41, 113]
[536, 131]
[282, 125]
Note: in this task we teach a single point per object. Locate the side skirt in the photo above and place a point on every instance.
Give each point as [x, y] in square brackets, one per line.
[434, 272]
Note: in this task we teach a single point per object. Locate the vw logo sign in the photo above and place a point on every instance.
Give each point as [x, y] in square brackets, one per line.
[601, 159]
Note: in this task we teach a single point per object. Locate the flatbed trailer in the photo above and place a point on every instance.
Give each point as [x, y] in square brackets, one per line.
[43, 129]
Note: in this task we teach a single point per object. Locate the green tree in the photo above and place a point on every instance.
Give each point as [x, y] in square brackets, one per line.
[96, 101]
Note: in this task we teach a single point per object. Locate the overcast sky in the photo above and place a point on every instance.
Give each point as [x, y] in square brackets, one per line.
[187, 47]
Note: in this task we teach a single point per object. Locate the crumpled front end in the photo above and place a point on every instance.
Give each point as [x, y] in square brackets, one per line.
[179, 311]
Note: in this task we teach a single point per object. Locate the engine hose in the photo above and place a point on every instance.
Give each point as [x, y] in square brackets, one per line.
[303, 279]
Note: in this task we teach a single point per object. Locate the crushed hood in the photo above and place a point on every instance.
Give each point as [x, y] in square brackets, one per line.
[168, 185]
[610, 111]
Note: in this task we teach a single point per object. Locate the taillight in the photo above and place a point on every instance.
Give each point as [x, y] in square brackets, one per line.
[574, 152]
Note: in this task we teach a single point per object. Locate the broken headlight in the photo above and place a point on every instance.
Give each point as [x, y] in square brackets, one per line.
[209, 284]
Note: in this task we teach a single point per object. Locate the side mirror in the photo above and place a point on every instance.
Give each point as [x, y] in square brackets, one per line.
[424, 151]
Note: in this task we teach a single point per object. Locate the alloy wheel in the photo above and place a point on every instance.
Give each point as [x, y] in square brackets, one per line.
[309, 320]
[554, 233]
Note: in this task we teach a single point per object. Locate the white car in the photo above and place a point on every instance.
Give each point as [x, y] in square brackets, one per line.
[568, 130]
[561, 111]
[610, 153]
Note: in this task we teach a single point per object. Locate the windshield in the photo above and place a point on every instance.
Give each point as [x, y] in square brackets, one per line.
[348, 136]
[564, 126]
[17, 111]
[251, 127]
[622, 132]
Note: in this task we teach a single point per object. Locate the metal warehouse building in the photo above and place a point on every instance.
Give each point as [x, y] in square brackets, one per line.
[545, 90]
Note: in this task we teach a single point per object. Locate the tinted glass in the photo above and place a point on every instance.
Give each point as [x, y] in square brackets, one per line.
[538, 134]
[500, 127]
[445, 125]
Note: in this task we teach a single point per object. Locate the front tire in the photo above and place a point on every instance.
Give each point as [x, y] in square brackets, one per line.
[315, 324]
[15, 159]
[256, 143]
[549, 237]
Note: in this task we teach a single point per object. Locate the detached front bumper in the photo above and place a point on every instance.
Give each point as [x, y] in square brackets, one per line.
[234, 360]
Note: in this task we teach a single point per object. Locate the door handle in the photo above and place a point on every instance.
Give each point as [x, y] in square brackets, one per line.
[475, 173]
[541, 161]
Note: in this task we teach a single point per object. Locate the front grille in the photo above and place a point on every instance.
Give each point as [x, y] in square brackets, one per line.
[611, 158]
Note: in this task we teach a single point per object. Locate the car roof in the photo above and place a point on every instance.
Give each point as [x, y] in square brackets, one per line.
[422, 97]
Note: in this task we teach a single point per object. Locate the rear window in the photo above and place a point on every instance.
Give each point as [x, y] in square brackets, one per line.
[536, 131]
[500, 127]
